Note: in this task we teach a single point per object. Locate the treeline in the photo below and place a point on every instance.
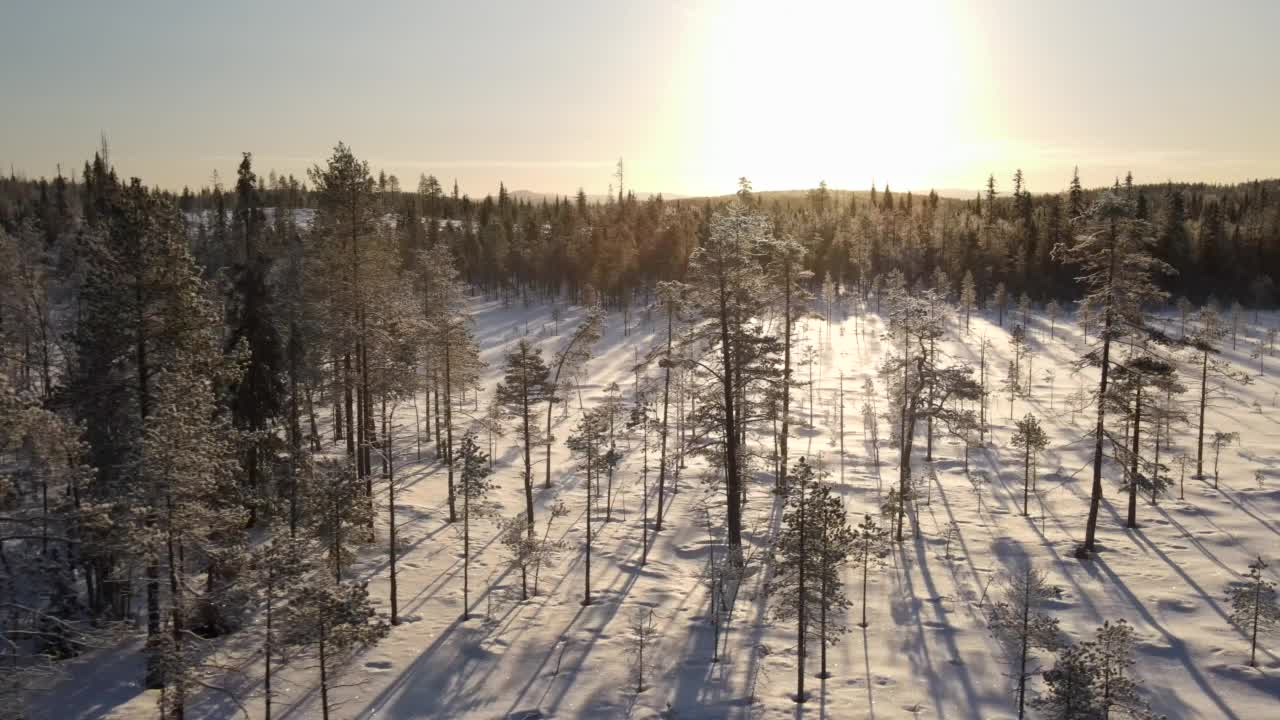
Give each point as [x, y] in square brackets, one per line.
[1223, 241]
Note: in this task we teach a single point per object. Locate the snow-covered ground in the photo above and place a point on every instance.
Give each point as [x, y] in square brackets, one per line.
[927, 652]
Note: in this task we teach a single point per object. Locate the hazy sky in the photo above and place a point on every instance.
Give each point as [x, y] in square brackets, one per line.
[693, 94]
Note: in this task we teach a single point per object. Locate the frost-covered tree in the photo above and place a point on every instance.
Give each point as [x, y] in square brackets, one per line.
[968, 297]
[1185, 307]
[670, 294]
[524, 385]
[590, 446]
[569, 360]
[871, 545]
[920, 386]
[1118, 275]
[276, 570]
[474, 487]
[527, 552]
[1254, 607]
[1091, 680]
[331, 620]
[1110, 654]
[642, 634]
[1142, 378]
[1032, 439]
[1216, 375]
[1000, 298]
[1070, 688]
[452, 348]
[1221, 440]
[726, 293]
[787, 272]
[1019, 622]
[808, 557]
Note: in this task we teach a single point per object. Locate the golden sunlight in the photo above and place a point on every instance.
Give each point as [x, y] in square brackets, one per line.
[850, 92]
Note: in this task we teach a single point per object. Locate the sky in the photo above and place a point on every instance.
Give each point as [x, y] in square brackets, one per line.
[691, 94]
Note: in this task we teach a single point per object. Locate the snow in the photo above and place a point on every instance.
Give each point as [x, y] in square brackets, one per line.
[927, 652]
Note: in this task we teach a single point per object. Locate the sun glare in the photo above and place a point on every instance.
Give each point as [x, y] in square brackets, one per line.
[796, 92]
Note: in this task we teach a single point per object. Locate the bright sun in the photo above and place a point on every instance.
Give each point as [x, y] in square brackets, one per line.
[790, 93]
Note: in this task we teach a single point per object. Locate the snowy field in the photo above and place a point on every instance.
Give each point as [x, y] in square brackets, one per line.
[927, 652]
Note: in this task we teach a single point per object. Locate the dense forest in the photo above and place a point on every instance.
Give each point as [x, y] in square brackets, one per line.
[1221, 240]
[198, 389]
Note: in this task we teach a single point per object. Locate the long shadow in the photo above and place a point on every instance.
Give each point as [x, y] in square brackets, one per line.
[1177, 646]
[1155, 549]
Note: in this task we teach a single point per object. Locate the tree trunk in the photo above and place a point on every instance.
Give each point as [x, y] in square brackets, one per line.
[1132, 521]
[1204, 396]
[528, 462]
[586, 577]
[1095, 496]
[391, 529]
[448, 430]
[804, 600]
[666, 404]
[733, 488]
[786, 377]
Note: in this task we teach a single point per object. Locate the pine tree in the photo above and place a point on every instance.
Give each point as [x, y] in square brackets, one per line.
[1054, 310]
[871, 546]
[1114, 255]
[570, 359]
[1254, 607]
[726, 292]
[920, 386]
[1216, 375]
[332, 620]
[1033, 440]
[1019, 624]
[525, 551]
[148, 357]
[642, 634]
[788, 272]
[1000, 298]
[1075, 195]
[968, 297]
[524, 385]
[1220, 440]
[334, 507]
[352, 257]
[276, 570]
[1071, 694]
[1110, 654]
[590, 445]
[669, 294]
[450, 343]
[475, 486]
[808, 558]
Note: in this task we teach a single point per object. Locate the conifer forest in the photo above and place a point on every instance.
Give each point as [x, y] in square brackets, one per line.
[345, 441]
